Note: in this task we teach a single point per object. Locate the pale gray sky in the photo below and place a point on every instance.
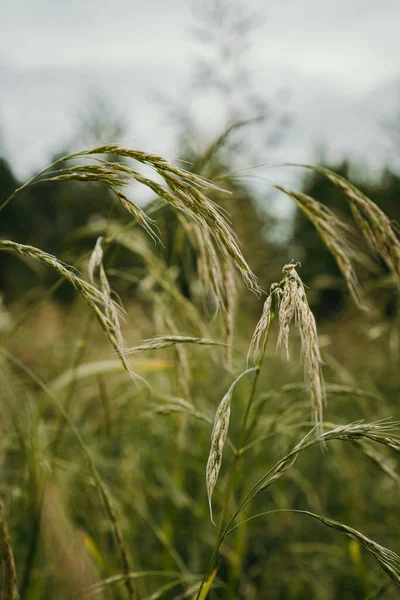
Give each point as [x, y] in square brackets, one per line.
[339, 58]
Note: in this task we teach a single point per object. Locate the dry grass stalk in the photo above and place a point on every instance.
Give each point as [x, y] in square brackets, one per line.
[291, 301]
[383, 432]
[309, 341]
[218, 437]
[114, 176]
[374, 224]
[9, 572]
[182, 190]
[333, 233]
[217, 278]
[209, 267]
[106, 310]
[256, 343]
[112, 310]
[158, 273]
[166, 341]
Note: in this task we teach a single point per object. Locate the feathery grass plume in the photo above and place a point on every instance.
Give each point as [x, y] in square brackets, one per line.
[9, 573]
[112, 310]
[380, 432]
[293, 303]
[182, 190]
[207, 214]
[374, 224]
[257, 339]
[218, 437]
[106, 312]
[113, 175]
[159, 275]
[333, 233]
[209, 268]
[287, 308]
[217, 278]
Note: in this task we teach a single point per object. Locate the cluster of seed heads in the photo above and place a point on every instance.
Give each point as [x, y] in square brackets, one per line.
[182, 190]
[289, 299]
[374, 224]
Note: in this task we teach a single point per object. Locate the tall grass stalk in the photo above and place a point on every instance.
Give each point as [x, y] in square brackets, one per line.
[231, 483]
[380, 432]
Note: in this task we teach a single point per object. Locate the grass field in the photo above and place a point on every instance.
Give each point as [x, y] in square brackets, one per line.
[163, 436]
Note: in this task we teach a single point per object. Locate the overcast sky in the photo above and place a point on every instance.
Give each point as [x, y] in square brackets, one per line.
[340, 59]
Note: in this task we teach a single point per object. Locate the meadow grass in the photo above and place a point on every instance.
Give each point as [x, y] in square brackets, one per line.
[106, 479]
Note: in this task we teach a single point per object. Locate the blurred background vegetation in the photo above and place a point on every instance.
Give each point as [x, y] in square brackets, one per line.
[151, 456]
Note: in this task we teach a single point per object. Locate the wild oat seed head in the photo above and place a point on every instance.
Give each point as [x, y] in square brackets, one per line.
[257, 340]
[218, 437]
[293, 304]
[333, 233]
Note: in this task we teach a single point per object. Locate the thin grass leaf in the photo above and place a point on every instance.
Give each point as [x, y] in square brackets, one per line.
[166, 341]
[208, 584]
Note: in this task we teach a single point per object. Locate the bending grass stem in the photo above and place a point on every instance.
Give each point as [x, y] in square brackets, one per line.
[243, 432]
[222, 531]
